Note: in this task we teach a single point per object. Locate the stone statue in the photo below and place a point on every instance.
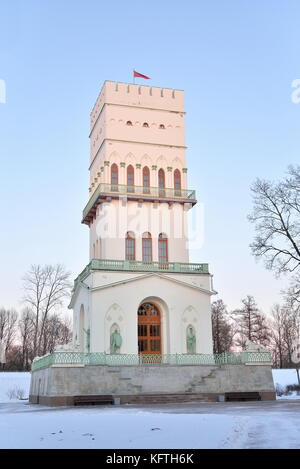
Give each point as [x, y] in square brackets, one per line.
[191, 341]
[88, 339]
[252, 347]
[115, 341]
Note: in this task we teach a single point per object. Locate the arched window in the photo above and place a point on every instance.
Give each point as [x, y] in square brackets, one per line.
[128, 123]
[161, 126]
[114, 177]
[177, 182]
[130, 178]
[161, 181]
[147, 247]
[146, 180]
[162, 249]
[130, 246]
[145, 124]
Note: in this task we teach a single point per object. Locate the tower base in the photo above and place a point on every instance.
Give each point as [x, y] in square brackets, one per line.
[58, 385]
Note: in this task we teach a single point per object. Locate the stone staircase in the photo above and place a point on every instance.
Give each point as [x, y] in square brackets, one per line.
[165, 398]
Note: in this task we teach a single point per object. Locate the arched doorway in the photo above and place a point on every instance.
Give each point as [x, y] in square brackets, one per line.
[149, 332]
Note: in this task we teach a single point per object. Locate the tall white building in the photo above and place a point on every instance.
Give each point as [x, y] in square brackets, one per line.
[139, 281]
[142, 318]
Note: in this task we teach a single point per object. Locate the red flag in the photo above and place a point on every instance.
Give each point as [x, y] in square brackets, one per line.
[137, 74]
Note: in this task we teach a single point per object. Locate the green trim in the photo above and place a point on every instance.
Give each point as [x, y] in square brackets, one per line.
[184, 170]
[140, 266]
[122, 164]
[106, 163]
[138, 166]
[154, 168]
[169, 168]
[102, 358]
[144, 192]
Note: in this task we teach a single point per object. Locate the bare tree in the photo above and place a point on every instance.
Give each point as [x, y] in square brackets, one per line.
[276, 215]
[56, 331]
[26, 332]
[46, 289]
[8, 322]
[251, 323]
[223, 329]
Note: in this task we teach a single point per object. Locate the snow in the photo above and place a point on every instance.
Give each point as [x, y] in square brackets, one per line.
[272, 424]
[13, 381]
[285, 377]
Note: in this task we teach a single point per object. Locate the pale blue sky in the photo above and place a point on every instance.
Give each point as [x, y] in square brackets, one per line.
[235, 59]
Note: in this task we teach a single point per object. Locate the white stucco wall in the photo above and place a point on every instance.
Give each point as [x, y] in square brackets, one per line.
[114, 300]
[114, 219]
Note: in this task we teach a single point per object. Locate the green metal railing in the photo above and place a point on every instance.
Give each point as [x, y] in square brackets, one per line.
[143, 191]
[80, 358]
[140, 266]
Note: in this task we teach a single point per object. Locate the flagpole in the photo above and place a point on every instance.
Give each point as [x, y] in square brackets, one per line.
[133, 77]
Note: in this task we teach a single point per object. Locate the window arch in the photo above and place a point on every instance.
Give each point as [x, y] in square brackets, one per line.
[130, 178]
[147, 247]
[161, 181]
[177, 182]
[128, 123]
[146, 180]
[161, 126]
[162, 248]
[145, 124]
[114, 176]
[130, 246]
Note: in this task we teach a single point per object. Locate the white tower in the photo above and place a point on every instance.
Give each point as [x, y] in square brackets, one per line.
[139, 282]
[139, 302]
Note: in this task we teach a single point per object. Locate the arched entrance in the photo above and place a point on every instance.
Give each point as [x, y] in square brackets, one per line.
[149, 330]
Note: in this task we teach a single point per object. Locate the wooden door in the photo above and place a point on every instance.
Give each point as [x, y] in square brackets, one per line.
[149, 330]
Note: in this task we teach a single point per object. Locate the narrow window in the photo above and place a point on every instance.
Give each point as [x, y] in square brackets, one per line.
[161, 182]
[177, 182]
[130, 178]
[145, 124]
[114, 177]
[162, 249]
[146, 180]
[147, 247]
[128, 123]
[130, 246]
[161, 126]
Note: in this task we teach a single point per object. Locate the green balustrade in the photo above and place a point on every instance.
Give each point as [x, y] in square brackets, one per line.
[142, 191]
[140, 266]
[101, 358]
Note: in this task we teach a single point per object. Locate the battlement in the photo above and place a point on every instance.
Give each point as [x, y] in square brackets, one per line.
[136, 95]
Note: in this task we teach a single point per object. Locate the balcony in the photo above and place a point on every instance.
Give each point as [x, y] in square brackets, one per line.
[140, 266]
[97, 358]
[107, 192]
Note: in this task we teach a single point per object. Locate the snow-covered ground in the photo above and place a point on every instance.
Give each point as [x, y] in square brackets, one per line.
[285, 377]
[12, 385]
[273, 424]
[209, 425]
